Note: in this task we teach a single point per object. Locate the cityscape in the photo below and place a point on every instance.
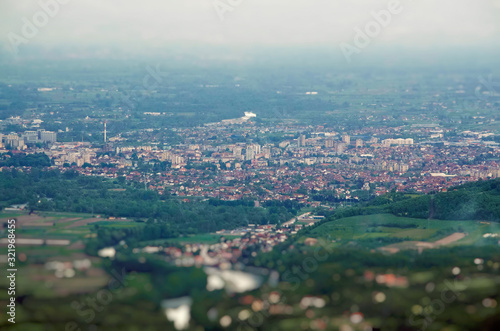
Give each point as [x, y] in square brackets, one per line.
[251, 166]
[301, 163]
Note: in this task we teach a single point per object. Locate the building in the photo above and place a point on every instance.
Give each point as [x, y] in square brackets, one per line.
[48, 136]
[346, 139]
[302, 140]
[249, 114]
[256, 148]
[237, 151]
[359, 143]
[30, 137]
[340, 148]
[398, 141]
[12, 140]
[250, 153]
[39, 136]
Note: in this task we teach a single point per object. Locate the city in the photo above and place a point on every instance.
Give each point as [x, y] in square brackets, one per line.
[302, 162]
[250, 165]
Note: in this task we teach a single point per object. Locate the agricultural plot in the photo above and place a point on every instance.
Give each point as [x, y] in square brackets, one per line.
[50, 253]
[402, 232]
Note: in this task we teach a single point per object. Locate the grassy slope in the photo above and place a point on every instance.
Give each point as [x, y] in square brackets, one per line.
[372, 226]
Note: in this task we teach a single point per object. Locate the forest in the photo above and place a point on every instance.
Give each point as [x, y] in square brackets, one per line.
[53, 190]
[473, 201]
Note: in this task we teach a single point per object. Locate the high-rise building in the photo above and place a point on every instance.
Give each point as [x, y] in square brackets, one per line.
[346, 139]
[30, 136]
[14, 141]
[256, 148]
[47, 136]
[359, 143]
[329, 143]
[302, 140]
[340, 148]
[250, 153]
[17, 143]
[176, 159]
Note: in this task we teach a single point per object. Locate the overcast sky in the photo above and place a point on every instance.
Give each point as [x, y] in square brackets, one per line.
[421, 23]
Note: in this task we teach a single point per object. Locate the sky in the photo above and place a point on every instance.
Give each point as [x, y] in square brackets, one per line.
[151, 24]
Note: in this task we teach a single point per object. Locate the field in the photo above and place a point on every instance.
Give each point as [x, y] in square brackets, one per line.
[402, 232]
[52, 276]
[35, 275]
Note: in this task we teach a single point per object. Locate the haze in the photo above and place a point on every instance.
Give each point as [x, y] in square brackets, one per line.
[154, 24]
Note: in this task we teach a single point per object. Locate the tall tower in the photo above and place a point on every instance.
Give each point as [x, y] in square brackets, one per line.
[250, 153]
[104, 131]
[302, 140]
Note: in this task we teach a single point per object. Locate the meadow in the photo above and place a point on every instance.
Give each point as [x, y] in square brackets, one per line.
[387, 228]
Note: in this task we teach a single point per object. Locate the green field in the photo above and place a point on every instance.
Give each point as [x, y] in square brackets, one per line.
[388, 226]
[33, 277]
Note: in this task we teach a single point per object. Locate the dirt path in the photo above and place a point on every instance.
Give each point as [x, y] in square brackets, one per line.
[451, 238]
[394, 248]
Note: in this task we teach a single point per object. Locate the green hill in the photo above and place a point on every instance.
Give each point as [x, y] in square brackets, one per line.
[472, 201]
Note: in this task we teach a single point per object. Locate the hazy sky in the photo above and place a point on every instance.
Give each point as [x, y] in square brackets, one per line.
[154, 23]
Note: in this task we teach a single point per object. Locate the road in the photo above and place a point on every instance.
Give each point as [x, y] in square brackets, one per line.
[298, 218]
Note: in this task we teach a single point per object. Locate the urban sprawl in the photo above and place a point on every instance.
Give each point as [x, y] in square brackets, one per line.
[239, 159]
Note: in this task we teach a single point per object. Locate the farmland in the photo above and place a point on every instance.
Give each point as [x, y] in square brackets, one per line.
[380, 229]
[62, 237]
